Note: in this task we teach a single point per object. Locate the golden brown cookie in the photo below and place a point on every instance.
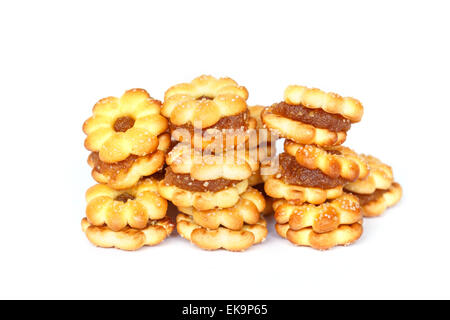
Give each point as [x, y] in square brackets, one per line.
[231, 165]
[126, 173]
[300, 132]
[204, 101]
[321, 218]
[202, 200]
[121, 127]
[338, 161]
[221, 238]
[349, 108]
[277, 188]
[132, 207]
[246, 211]
[344, 235]
[311, 116]
[128, 238]
[208, 113]
[294, 182]
[380, 177]
[376, 203]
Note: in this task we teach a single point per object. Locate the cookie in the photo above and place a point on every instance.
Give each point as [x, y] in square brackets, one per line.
[231, 165]
[294, 173]
[221, 238]
[125, 126]
[376, 203]
[128, 238]
[380, 177]
[202, 200]
[277, 188]
[338, 161]
[294, 182]
[311, 116]
[246, 211]
[313, 98]
[133, 207]
[208, 111]
[300, 132]
[320, 218]
[126, 173]
[344, 235]
[204, 101]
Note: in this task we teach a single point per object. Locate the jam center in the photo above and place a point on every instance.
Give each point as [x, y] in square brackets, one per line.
[123, 124]
[124, 197]
[205, 98]
[335, 152]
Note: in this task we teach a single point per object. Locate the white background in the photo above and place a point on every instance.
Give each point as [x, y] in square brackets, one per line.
[58, 58]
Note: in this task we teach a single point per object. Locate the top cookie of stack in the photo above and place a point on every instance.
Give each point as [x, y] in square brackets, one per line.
[206, 109]
[127, 137]
[312, 116]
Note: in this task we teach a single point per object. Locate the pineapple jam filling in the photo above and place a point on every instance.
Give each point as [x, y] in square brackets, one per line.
[293, 173]
[123, 124]
[112, 169]
[315, 117]
[236, 122]
[185, 181]
[124, 197]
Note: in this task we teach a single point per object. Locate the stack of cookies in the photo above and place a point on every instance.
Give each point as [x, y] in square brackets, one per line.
[309, 176]
[128, 139]
[208, 170]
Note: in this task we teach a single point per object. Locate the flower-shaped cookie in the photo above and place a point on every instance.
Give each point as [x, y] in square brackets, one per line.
[202, 200]
[124, 126]
[231, 240]
[247, 210]
[204, 101]
[128, 238]
[118, 209]
[331, 102]
[374, 204]
[333, 161]
[380, 177]
[344, 235]
[277, 188]
[321, 218]
[233, 165]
